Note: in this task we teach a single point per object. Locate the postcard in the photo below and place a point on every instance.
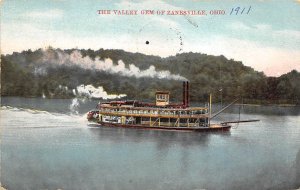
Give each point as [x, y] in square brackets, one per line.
[150, 94]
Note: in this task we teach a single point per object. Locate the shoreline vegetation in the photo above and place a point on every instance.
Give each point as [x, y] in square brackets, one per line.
[254, 104]
[56, 73]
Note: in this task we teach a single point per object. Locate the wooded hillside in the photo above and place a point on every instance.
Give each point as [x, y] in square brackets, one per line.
[55, 73]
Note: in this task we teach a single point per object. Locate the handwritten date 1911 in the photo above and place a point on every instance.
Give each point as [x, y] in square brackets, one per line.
[240, 10]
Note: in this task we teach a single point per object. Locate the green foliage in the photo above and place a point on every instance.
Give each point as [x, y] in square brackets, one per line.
[24, 74]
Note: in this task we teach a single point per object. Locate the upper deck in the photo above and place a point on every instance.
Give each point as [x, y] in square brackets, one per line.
[154, 111]
[162, 107]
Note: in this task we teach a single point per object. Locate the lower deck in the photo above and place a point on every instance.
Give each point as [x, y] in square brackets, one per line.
[155, 121]
[158, 123]
[211, 128]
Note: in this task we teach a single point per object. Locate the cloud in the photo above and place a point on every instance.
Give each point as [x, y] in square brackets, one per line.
[288, 33]
[22, 36]
[273, 61]
[262, 27]
[239, 26]
[50, 14]
[266, 30]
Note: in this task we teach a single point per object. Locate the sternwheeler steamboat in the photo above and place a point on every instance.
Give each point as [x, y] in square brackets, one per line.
[161, 115]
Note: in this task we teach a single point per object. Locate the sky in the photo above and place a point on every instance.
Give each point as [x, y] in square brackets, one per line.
[266, 39]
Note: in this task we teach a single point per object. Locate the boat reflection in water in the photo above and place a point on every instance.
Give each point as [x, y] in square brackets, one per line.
[163, 139]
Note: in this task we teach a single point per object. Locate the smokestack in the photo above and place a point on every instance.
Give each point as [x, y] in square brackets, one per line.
[185, 94]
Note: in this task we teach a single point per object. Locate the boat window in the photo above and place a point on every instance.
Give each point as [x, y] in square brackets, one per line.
[161, 96]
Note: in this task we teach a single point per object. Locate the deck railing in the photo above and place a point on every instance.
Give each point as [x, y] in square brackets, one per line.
[164, 113]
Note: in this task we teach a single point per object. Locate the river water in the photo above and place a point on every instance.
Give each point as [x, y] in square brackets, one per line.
[47, 144]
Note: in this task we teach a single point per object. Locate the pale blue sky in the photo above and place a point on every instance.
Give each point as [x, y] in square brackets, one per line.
[267, 39]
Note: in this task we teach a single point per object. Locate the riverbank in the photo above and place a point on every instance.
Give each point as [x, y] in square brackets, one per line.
[245, 102]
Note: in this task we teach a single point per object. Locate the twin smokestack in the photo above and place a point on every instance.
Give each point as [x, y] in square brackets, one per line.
[186, 95]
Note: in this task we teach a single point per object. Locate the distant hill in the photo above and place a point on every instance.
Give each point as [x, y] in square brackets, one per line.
[56, 73]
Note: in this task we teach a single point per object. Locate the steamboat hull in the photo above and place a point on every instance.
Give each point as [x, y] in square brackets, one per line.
[213, 128]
